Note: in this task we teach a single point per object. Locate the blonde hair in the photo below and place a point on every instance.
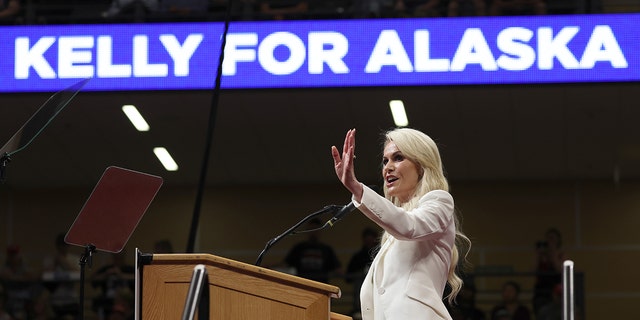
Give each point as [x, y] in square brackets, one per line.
[420, 149]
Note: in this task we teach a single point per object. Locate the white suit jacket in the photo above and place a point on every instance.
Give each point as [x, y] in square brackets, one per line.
[407, 278]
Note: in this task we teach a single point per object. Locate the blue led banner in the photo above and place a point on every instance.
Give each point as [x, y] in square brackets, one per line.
[323, 53]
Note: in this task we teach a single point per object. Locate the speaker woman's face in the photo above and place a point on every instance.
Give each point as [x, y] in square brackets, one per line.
[400, 174]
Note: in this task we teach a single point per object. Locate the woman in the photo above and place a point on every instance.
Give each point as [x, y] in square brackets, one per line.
[418, 253]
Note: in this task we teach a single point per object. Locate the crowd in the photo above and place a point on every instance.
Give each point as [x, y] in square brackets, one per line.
[51, 292]
[105, 11]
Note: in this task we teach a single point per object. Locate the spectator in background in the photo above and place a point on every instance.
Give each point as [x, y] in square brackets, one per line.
[123, 305]
[9, 10]
[312, 258]
[548, 268]
[553, 309]
[284, 9]
[61, 261]
[370, 8]
[518, 7]
[510, 308]
[4, 314]
[465, 306]
[184, 8]
[14, 268]
[466, 8]
[40, 307]
[418, 8]
[61, 274]
[360, 263]
[241, 9]
[163, 246]
[19, 283]
[110, 279]
[118, 7]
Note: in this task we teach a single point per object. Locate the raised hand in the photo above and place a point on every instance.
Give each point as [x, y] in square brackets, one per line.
[344, 164]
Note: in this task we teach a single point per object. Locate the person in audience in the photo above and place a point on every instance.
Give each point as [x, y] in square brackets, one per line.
[119, 7]
[466, 8]
[418, 8]
[312, 258]
[465, 306]
[369, 8]
[4, 313]
[9, 10]
[123, 305]
[61, 273]
[419, 249]
[510, 308]
[241, 10]
[14, 268]
[40, 307]
[553, 309]
[110, 279]
[183, 9]
[62, 260]
[284, 9]
[518, 7]
[19, 282]
[548, 267]
[360, 263]
[163, 246]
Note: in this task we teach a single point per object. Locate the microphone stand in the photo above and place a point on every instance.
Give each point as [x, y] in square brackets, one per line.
[87, 257]
[4, 160]
[270, 243]
[198, 295]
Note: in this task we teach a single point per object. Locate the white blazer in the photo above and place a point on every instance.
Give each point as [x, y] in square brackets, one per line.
[407, 278]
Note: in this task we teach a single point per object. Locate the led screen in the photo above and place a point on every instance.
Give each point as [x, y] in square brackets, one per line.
[323, 53]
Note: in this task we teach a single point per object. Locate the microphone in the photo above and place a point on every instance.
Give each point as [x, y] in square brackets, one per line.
[290, 231]
[341, 213]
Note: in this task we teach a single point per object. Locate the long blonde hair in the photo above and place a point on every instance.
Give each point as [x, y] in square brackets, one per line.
[420, 149]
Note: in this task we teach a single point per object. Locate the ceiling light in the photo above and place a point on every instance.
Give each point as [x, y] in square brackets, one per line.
[398, 113]
[165, 158]
[135, 117]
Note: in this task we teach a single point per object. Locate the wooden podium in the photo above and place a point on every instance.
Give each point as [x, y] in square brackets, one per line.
[237, 291]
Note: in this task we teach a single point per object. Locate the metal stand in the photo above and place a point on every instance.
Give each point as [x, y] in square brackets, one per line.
[38, 121]
[87, 257]
[4, 160]
[568, 302]
[270, 243]
[198, 295]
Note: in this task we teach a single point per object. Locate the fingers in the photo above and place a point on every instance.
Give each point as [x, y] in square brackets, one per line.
[345, 146]
[348, 150]
[349, 140]
[352, 142]
[335, 154]
[348, 153]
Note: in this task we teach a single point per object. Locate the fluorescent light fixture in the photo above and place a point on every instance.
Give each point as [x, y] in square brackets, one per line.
[135, 117]
[398, 113]
[165, 158]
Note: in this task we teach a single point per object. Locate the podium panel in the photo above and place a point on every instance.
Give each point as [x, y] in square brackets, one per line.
[236, 290]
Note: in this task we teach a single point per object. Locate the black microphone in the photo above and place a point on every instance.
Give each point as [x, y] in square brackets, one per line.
[341, 213]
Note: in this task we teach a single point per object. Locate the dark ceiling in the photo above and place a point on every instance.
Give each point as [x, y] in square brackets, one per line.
[266, 137]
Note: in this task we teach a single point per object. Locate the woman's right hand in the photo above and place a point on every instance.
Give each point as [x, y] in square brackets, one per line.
[344, 164]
